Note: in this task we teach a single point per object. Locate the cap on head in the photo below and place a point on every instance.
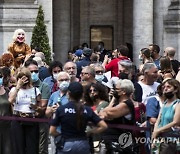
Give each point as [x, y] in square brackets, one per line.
[78, 52]
[87, 52]
[75, 88]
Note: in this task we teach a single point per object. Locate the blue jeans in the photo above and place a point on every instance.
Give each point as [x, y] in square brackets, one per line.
[75, 147]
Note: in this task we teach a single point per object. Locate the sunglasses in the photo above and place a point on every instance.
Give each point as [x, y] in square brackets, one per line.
[92, 90]
[98, 72]
[35, 71]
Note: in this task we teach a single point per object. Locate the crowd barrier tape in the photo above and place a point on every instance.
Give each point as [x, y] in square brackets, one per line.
[14, 118]
[129, 127]
[119, 126]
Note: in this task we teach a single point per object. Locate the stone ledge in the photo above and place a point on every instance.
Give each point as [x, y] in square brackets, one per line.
[19, 6]
[11, 24]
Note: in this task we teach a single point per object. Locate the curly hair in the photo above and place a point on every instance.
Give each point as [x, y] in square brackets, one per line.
[7, 59]
[102, 93]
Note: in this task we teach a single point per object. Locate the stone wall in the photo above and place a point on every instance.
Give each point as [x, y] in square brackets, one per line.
[14, 16]
[172, 27]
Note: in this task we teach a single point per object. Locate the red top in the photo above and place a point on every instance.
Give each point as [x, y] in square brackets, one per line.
[113, 65]
[93, 108]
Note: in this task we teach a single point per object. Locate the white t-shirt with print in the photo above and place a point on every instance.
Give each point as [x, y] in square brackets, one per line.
[24, 99]
[148, 91]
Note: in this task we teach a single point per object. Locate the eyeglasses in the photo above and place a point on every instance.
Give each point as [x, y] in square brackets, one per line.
[98, 72]
[92, 90]
[35, 71]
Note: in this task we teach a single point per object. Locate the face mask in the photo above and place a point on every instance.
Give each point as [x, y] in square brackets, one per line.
[94, 97]
[63, 86]
[115, 94]
[34, 76]
[99, 77]
[140, 59]
[169, 95]
[55, 75]
[123, 75]
[1, 81]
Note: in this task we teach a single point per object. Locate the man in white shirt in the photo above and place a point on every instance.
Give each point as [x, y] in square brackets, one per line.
[149, 84]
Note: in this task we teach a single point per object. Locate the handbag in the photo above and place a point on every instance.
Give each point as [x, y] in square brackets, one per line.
[142, 114]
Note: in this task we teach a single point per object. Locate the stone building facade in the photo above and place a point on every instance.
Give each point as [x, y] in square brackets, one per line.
[73, 22]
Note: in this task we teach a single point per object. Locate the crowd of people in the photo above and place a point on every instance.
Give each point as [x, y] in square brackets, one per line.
[83, 98]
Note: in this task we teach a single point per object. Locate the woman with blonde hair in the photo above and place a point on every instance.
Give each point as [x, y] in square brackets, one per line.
[25, 99]
[19, 49]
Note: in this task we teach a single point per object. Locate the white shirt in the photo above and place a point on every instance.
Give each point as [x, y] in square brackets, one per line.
[148, 91]
[24, 98]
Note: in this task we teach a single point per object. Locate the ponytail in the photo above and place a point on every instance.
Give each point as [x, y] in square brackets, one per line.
[78, 108]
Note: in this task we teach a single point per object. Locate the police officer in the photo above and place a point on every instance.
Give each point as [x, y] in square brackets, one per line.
[73, 118]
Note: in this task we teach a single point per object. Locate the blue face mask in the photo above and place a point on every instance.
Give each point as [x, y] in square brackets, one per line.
[99, 77]
[1, 81]
[34, 76]
[63, 86]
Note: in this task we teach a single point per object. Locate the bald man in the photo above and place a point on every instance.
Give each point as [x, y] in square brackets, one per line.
[170, 52]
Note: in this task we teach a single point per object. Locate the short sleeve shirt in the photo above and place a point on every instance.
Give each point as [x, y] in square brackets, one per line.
[24, 98]
[57, 98]
[44, 89]
[148, 91]
[152, 108]
[66, 117]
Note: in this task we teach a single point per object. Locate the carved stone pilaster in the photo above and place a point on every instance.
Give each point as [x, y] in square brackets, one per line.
[172, 26]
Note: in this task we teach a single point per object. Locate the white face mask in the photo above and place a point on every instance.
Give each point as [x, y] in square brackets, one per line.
[99, 77]
[63, 86]
[55, 75]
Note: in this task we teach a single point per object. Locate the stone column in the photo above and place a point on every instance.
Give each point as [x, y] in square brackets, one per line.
[142, 26]
[61, 29]
[172, 27]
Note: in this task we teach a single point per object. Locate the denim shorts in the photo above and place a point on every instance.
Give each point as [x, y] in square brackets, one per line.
[75, 147]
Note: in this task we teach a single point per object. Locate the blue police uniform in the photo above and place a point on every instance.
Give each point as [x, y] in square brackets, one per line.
[75, 139]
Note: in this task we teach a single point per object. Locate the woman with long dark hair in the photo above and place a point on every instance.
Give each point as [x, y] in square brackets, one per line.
[96, 96]
[73, 118]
